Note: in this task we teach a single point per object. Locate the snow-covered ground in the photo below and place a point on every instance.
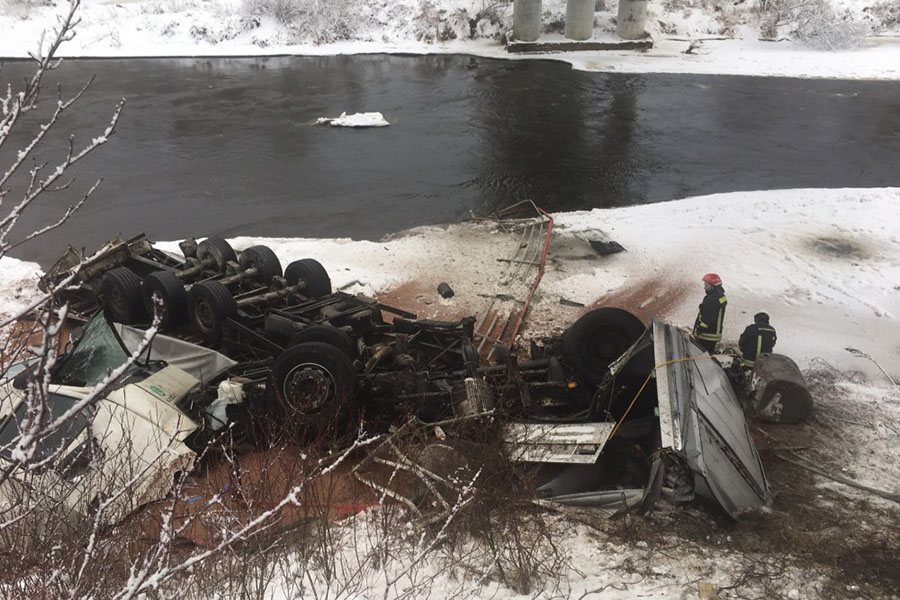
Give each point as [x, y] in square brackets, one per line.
[825, 264]
[690, 36]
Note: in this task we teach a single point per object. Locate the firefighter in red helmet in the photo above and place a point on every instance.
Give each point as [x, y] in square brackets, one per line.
[711, 316]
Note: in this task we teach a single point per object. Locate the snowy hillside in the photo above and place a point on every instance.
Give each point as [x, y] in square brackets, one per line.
[819, 38]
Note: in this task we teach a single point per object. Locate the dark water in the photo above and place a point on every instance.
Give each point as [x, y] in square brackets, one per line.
[226, 146]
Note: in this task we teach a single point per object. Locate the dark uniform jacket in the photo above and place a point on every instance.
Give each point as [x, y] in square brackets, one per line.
[756, 340]
[711, 317]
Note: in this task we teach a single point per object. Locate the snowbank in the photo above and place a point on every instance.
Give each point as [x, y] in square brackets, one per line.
[18, 286]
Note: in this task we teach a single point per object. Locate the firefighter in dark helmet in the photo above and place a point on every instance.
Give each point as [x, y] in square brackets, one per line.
[757, 339]
[708, 326]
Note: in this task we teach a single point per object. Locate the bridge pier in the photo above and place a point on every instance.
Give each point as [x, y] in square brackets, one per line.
[527, 20]
[632, 19]
[580, 19]
[630, 24]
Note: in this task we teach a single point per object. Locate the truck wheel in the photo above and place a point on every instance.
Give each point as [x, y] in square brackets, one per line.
[315, 384]
[327, 334]
[218, 250]
[170, 291]
[122, 300]
[263, 260]
[312, 273]
[209, 304]
[597, 339]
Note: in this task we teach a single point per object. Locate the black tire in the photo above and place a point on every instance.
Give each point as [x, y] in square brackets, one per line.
[122, 299]
[312, 273]
[171, 292]
[264, 261]
[327, 334]
[209, 304]
[218, 250]
[597, 339]
[315, 384]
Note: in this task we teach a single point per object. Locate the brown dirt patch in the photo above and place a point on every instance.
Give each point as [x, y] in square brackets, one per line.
[224, 495]
[651, 298]
[422, 298]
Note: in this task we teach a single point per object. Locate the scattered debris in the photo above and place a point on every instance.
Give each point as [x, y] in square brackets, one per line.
[708, 591]
[368, 119]
[605, 248]
[810, 466]
[862, 354]
[445, 290]
[567, 302]
[522, 273]
[693, 47]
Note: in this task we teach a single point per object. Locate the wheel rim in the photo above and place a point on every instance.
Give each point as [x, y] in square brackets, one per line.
[117, 302]
[260, 276]
[203, 312]
[308, 387]
[607, 345]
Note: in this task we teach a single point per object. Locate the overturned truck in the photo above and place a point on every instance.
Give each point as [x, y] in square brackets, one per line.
[626, 412]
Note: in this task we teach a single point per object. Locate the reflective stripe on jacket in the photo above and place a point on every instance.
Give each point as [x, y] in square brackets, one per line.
[756, 340]
[711, 317]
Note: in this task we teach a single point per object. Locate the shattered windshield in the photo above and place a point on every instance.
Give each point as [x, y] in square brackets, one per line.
[52, 443]
[98, 353]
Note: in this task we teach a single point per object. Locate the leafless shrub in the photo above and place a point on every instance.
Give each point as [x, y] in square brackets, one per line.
[816, 23]
[37, 178]
[821, 376]
[317, 21]
[285, 12]
[489, 16]
[883, 15]
[430, 23]
[22, 9]
[822, 26]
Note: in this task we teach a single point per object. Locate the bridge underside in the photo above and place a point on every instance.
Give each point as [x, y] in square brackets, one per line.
[630, 23]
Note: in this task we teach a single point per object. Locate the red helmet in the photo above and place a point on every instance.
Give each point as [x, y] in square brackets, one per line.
[712, 279]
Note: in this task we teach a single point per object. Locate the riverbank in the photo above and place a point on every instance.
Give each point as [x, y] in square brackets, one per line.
[828, 287]
[684, 42]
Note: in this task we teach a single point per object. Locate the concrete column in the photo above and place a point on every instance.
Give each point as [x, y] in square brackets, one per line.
[632, 19]
[580, 19]
[527, 20]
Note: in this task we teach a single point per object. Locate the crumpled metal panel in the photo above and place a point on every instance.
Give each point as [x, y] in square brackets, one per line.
[201, 363]
[576, 443]
[700, 416]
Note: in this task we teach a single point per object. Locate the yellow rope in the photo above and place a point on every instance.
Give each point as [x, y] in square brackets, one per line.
[647, 380]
